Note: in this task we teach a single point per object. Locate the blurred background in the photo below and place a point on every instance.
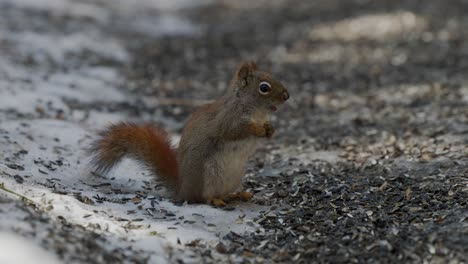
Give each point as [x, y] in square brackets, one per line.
[376, 127]
[391, 65]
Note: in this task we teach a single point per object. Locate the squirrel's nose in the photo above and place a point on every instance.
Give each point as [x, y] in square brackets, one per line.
[285, 95]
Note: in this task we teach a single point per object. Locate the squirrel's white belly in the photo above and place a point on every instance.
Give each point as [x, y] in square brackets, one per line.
[226, 168]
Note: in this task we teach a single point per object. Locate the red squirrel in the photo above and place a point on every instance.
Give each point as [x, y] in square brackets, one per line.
[216, 141]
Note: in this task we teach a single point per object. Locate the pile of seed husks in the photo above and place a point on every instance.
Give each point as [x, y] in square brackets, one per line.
[369, 162]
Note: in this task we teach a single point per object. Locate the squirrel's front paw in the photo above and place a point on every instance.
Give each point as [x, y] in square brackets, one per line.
[269, 130]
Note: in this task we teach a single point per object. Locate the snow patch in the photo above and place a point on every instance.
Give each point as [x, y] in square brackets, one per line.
[72, 8]
[49, 143]
[58, 47]
[46, 96]
[15, 249]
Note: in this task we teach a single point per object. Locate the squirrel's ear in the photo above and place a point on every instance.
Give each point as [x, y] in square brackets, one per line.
[245, 70]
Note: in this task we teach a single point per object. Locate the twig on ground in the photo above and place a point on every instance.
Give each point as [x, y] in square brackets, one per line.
[22, 197]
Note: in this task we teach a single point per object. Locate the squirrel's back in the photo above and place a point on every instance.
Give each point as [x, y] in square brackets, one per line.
[197, 143]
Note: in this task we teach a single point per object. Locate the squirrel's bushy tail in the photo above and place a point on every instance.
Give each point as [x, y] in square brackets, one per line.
[146, 144]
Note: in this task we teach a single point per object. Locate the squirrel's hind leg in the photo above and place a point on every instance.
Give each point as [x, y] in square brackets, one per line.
[221, 202]
[216, 202]
[242, 196]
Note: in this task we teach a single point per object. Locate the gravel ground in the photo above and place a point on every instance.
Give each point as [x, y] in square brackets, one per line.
[369, 162]
[372, 152]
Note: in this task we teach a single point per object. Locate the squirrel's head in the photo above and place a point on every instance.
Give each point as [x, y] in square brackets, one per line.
[251, 84]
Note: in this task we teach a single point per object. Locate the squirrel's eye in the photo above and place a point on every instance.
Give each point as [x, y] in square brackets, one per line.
[264, 88]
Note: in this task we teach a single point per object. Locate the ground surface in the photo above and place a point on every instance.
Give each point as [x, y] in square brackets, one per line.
[369, 162]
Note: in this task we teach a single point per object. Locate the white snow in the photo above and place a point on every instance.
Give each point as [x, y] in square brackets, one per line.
[89, 84]
[58, 47]
[62, 7]
[15, 249]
